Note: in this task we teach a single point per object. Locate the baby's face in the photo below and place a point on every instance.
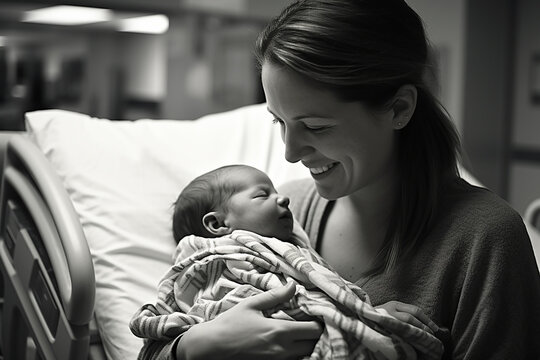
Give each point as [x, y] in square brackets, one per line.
[257, 207]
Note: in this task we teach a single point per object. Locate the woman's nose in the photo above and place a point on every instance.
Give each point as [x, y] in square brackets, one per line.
[295, 146]
[283, 200]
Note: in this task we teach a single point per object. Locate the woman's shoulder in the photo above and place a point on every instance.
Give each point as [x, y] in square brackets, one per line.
[479, 205]
[481, 245]
[476, 218]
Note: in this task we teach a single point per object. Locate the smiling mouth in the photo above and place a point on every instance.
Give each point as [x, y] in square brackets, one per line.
[322, 169]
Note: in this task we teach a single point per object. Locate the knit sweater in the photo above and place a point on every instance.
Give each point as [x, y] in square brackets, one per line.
[475, 274]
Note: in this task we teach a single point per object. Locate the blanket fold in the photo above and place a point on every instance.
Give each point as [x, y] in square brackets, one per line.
[212, 275]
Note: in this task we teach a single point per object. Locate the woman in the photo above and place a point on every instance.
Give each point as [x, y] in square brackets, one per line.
[385, 205]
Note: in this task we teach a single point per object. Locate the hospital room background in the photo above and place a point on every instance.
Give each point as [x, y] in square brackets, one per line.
[185, 59]
[195, 58]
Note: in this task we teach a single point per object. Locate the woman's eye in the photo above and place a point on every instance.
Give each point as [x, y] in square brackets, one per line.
[316, 128]
[277, 121]
[261, 195]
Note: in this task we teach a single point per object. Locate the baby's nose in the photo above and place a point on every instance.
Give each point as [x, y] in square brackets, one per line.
[283, 200]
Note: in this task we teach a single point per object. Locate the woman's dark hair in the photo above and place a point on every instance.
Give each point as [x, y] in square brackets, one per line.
[207, 192]
[365, 50]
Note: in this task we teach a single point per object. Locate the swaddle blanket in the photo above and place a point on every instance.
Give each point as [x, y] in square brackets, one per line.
[212, 275]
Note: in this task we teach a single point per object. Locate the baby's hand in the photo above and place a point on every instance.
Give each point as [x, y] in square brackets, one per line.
[410, 314]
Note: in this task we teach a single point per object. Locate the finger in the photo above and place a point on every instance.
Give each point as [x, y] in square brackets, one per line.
[302, 330]
[418, 314]
[411, 320]
[271, 298]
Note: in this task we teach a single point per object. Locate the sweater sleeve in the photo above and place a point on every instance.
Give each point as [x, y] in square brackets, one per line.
[498, 312]
[159, 350]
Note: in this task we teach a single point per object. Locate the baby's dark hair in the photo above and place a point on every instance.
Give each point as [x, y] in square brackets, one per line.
[207, 192]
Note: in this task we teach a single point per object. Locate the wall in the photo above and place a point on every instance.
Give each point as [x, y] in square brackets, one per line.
[145, 61]
[525, 167]
[487, 104]
[445, 25]
[182, 101]
[210, 66]
[486, 77]
[526, 129]
[164, 66]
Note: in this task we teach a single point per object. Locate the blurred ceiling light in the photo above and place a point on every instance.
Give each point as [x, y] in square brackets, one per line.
[67, 15]
[226, 6]
[150, 24]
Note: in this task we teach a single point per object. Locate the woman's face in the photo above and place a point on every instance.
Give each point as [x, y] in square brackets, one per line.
[346, 146]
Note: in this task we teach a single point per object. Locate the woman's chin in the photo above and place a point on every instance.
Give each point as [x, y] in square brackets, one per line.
[329, 192]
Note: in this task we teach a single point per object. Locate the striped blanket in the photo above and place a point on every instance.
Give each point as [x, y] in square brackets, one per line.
[212, 275]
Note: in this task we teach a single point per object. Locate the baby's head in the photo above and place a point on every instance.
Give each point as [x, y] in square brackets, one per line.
[231, 198]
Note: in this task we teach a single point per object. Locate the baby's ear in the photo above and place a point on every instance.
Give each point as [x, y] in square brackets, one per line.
[214, 224]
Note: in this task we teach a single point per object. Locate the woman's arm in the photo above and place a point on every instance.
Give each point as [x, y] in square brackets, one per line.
[498, 313]
[243, 332]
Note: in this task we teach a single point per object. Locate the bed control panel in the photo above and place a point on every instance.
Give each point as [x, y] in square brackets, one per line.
[44, 299]
[12, 226]
[27, 272]
[19, 229]
[40, 244]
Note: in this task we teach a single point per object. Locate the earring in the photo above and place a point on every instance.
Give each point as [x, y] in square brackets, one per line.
[399, 124]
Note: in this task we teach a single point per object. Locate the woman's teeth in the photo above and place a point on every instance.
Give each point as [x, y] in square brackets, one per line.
[321, 170]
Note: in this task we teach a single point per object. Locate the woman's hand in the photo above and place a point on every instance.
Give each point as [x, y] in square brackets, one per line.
[410, 314]
[243, 332]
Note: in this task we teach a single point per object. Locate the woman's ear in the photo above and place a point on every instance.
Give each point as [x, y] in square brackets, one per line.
[403, 105]
[214, 224]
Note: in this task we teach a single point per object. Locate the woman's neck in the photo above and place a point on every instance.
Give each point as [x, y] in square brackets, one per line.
[374, 202]
[356, 228]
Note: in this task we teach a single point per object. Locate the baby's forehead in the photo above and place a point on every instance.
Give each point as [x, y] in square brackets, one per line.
[248, 176]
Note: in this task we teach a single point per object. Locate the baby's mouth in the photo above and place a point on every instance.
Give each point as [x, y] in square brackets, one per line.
[286, 216]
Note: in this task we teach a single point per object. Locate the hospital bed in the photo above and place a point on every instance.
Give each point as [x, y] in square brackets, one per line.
[85, 209]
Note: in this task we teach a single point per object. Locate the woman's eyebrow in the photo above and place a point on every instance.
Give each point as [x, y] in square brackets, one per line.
[303, 116]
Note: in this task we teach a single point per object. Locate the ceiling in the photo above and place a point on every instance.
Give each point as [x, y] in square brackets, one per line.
[252, 10]
[12, 28]
[161, 6]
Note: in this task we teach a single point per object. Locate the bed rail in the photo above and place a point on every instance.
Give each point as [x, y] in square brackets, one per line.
[47, 278]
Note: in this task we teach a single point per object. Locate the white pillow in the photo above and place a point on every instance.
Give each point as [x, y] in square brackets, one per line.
[123, 177]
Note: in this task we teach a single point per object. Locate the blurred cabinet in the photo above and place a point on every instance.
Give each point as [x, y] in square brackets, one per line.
[210, 66]
[488, 90]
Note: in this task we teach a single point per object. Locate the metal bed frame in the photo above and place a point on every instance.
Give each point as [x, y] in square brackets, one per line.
[47, 283]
